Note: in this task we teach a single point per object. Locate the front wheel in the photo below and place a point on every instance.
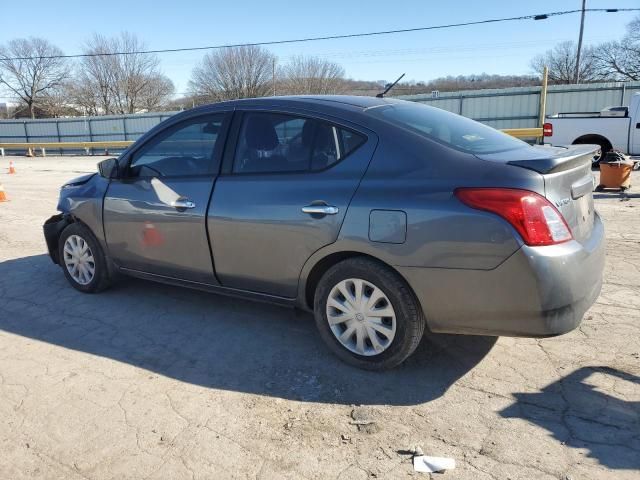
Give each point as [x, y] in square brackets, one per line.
[82, 259]
[367, 314]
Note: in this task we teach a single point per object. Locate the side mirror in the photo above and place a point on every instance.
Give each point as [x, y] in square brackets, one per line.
[108, 168]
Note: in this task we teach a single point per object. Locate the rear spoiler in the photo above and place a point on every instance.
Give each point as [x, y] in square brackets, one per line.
[574, 156]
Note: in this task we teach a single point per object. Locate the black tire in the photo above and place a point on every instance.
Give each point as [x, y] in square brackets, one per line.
[410, 322]
[604, 148]
[101, 278]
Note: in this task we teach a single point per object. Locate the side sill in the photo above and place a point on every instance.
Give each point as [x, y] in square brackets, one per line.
[231, 292]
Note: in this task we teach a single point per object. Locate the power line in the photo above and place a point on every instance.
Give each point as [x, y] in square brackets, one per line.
[541, 16]
[424, 52]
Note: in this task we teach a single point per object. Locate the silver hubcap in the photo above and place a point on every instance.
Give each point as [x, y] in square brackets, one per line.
[78, 259]
[361, 317]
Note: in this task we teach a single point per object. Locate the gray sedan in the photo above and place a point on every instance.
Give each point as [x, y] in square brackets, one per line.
[383, 217]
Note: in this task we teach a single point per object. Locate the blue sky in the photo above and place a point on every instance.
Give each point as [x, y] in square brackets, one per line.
[504, 48]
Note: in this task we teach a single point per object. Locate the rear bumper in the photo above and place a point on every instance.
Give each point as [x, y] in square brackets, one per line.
[537, 292]
[52, 229]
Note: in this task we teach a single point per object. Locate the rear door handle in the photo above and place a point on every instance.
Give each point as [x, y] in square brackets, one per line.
[320, 209]
[182, 203]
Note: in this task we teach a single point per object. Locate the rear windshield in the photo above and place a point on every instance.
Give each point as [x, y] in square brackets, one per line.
[458, 132]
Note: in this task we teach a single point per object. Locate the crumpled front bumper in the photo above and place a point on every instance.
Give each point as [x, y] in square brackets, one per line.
[52, 229]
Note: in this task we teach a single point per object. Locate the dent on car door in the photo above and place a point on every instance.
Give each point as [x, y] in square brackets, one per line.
[283, 196]
[155, 215]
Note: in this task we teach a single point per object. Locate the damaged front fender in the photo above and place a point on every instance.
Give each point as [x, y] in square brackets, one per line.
[53, 227]
[80, 201]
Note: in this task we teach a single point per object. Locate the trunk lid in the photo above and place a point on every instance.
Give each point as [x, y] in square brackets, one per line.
[568, 181]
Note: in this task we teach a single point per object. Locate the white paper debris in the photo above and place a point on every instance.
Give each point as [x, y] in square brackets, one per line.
[425, 464]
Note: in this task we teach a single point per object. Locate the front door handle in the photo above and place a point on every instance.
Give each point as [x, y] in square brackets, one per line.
[182, 203]
[320, 209]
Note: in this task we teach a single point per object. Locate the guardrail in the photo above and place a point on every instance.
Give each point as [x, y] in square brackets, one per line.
[61, 145]
[87, 146]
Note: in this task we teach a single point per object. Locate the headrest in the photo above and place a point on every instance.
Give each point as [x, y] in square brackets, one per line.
[260, 133]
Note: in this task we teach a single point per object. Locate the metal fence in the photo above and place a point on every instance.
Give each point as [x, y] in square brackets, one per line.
[519, 107]
[500, 108]
[80, 129]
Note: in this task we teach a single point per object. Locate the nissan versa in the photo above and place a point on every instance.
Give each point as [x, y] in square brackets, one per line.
[383, 217]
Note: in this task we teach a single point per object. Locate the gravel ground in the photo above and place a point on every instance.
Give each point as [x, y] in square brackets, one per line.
[150, 381]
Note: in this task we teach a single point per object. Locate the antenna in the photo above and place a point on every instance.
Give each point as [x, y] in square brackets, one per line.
[381, 95]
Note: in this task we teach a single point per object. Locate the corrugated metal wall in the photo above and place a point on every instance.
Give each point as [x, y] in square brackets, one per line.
[80, 129]
[519, 107]
[500, 108]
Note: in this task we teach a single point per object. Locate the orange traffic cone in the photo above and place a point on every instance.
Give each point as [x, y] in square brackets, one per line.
[3, 196]
[12, 169]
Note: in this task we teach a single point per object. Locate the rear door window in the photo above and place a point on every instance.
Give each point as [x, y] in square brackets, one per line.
[275, 142]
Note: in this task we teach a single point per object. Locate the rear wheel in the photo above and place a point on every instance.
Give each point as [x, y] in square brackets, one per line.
[82, 259]
[367, 314]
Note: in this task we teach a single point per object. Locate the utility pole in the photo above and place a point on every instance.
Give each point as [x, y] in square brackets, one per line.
[543, 96]
[273, 77]
[576, 76]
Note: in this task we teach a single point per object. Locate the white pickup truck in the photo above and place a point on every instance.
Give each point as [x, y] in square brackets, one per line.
[613, 128]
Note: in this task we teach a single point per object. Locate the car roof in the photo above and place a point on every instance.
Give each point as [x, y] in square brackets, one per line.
[347, 102]
[353, 100]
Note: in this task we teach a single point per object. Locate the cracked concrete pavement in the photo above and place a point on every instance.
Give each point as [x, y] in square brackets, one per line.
[150, 381]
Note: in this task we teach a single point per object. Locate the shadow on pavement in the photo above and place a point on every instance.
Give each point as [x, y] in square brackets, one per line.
[577, 411]
[218, 342]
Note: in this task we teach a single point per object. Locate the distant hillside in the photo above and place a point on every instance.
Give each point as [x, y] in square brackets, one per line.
[443, 84]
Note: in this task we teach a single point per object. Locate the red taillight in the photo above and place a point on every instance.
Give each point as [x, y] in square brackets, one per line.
[537, 221]
[547, 129]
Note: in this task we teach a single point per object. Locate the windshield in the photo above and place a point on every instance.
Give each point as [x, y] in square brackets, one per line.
[453, 130]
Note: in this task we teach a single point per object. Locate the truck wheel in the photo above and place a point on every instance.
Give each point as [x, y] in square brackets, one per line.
[599, 156]
[367, 314]
[82, 259]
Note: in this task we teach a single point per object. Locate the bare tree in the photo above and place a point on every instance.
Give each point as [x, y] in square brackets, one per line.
[55, 102]
[304, 75]
[234, 72]
[621, 60]
[116, 78]
[95, 83]
[84, 96]
[157, 93]
[30, 68]
[561, 61]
